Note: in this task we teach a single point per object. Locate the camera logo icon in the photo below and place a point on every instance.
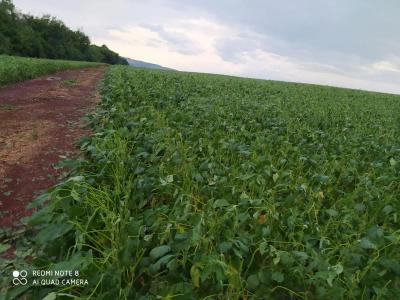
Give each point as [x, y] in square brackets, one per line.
[19, 277]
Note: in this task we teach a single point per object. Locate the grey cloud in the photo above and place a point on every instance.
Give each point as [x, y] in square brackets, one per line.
[343, 34]
[177, 41]
[360, 27]
[232, 49]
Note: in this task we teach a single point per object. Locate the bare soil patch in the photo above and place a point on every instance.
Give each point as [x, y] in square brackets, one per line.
[40, 120]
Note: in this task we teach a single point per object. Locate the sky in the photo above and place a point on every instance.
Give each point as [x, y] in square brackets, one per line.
[353, 44]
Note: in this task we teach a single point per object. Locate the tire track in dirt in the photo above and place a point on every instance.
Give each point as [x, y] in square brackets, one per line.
[40, 120]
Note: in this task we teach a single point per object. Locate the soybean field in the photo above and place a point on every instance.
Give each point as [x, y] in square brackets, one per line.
[14, 68]
[198, 186]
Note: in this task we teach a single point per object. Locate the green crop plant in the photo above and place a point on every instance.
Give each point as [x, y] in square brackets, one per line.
[198, 186]
[14, 68]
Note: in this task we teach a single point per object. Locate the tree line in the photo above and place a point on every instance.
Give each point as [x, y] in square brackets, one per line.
[47, 37]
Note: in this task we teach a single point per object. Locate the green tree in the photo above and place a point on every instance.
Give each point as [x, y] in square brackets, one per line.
[47, 37]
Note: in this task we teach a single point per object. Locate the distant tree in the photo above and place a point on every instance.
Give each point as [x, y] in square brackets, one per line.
[7, 17]
[47, 37]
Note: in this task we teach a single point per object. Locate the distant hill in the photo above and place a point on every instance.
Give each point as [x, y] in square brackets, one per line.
[143, 64]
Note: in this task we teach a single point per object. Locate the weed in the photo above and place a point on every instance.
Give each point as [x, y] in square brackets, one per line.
[34, 134]
[69, 82]
[8, 107]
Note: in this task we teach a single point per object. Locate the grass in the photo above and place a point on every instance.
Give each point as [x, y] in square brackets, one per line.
[69, 82]
[201, 186]
[8, 107]
[14, 69]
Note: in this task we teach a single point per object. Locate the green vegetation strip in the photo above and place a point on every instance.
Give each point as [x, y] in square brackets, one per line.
[200, 186]
[14, 69]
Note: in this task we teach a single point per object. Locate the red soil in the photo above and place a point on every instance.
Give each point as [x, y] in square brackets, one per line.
[40, 120]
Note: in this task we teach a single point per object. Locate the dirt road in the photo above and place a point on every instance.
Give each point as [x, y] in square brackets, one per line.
[40, 120]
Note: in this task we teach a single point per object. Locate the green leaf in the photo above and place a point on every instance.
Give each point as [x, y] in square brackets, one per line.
[278, 277]
[170, 178]
[195, 275]
[76, 179]
[173, 265]
[52, 232]
[360, 207]
[220, 203]
[39, 200]
[375, 233]
[43, 216]
[338, 269]
[160, 264]
[159, 252]
[367, 244]
[79, 260]
[393, 162]
[322, 179]
[15, 292]
[332, 212]
[388, 209]
[225, 246]
[330, 279]
[51, 296]
[302, 256]
[392, 265]
[4, 247]
[275, 177]
[75, 195]
[253, 282]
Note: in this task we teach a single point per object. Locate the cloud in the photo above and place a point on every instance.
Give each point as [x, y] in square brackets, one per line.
[189, 44]
[359, 27]
[176, 38]
[386, 66]
[346, 43]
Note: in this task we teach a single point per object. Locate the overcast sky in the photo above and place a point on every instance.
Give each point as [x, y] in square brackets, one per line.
[345, 43]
